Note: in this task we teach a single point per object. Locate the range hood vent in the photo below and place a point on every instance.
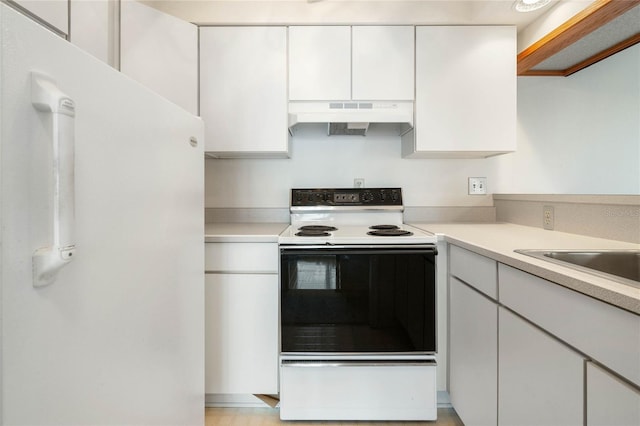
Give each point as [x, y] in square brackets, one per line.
[351, 117]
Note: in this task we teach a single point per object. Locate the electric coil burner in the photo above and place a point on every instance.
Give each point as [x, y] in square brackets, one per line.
[357, 309]
[315, 231]
[387, 231]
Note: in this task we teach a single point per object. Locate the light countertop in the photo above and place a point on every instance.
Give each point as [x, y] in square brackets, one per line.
[243, 232]
[499, 240]
[494, 240]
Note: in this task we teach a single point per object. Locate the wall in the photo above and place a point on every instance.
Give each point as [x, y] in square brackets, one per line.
[576, 135]
[322, 161]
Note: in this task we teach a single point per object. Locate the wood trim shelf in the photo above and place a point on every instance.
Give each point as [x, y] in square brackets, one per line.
[590, 19]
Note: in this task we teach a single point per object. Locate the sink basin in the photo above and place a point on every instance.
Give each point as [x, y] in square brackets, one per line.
[622, 266]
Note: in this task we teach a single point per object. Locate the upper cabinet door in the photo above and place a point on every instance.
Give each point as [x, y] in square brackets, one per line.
[383, 63]
[160, 51]
[465, 92]
[320, 63]
[243, 91]
[91, 28]
[53, 12]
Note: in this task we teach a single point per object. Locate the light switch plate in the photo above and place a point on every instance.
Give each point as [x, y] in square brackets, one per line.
[477, 185]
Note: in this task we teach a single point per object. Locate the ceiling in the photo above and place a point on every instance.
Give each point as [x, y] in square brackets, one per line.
[430, 12]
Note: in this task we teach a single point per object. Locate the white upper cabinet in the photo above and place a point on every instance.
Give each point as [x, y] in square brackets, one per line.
[320, 63]
[92, 24]
[383, 63]
[465, 92]
[160, 52]
[243, 91]
[344, 63]
[53, 12]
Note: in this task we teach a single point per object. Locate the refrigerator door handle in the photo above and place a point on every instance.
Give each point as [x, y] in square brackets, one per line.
[46, 97]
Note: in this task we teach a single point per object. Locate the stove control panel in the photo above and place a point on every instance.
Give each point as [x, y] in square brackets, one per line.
[346, 197]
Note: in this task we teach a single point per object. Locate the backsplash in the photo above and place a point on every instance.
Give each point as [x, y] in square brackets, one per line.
[615, 217]
[485, 214]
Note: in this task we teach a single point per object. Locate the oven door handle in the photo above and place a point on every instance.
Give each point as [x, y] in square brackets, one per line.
[355, 363]
[378, 249]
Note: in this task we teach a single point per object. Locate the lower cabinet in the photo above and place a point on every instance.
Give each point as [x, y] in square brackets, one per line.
[541, 380]
[610, 401]
[473, 359]
[241, 343]
[527, 351]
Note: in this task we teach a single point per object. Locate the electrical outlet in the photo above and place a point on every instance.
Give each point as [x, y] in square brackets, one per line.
[477, 185]
[547, 217]
[358, 183]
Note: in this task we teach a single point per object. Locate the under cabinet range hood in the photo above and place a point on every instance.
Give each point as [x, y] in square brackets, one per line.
[351, 117]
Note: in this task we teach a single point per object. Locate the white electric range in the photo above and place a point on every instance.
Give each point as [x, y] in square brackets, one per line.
[357, 309]
[350, 216]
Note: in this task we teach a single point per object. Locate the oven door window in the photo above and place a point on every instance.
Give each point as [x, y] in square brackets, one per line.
[354, 300]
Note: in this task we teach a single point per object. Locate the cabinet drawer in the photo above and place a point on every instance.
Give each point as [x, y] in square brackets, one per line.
[608, 334]
[478, 271]
[351, 391]
[241, 257]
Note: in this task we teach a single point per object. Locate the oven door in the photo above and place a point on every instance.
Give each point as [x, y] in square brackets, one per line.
[355, 299]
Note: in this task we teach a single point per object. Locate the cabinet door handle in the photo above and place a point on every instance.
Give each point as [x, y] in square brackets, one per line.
[46, 97]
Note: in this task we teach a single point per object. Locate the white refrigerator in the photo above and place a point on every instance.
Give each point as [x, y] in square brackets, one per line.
[101, 242]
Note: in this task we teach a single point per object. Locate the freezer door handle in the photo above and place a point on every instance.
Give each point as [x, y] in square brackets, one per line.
[47, 98]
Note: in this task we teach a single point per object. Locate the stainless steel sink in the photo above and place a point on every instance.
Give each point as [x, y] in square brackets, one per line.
[622, 266]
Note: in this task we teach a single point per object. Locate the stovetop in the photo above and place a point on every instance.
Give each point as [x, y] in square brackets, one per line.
[356, 234]
[347, 216]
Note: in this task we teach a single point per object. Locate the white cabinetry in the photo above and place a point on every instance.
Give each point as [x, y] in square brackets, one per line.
[473, 336]
[343, 63]
[518, 345]
[473, 354]
[55, 13]
[465, 92]
[610, 401]
[243, 91]
[241, 318]
[478, 271]
[605, 333]
[540, 379]
[161, 52]
[383, 67]
[92, 25]
[320, 63]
